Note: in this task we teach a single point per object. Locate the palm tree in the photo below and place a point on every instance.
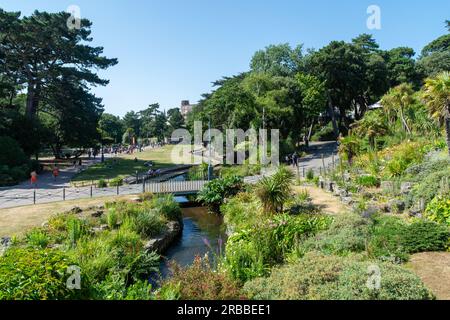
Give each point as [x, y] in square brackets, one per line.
[436, 96]
[396, 101]
[373, 124]
[349, 146]
[274, 191]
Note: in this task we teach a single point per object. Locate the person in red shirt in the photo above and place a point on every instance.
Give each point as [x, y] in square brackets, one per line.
[55, 172]
[34, 178]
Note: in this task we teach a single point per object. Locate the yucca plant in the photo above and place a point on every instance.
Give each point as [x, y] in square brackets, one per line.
[274, 191]
[436, 96]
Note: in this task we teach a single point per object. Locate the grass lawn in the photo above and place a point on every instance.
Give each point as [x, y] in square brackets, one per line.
[126, 166]
[20, 219]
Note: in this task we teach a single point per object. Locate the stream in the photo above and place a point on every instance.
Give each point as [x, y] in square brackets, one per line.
[200, 226]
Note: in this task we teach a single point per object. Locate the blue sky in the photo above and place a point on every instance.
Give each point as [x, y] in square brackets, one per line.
[171, 50]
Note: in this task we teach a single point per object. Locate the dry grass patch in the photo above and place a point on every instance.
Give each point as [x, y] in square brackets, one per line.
[434, 270]
[20, 219]
[323, 200]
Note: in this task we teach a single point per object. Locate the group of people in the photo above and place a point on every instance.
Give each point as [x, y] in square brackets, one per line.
[292, 159]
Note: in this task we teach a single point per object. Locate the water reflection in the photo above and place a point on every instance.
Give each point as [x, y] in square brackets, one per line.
[198, 225]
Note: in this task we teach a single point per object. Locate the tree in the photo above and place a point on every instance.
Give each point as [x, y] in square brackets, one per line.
[112, 127]
[40, 49]
[69, 115]
[278, 60]
[132, 120]
[342, 67]
[435, 56]
[401, 66]
[372, 125]
[175, 120]
[396, 102]
[436, 95]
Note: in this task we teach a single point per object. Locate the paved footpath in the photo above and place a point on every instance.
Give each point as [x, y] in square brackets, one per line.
[47, 186]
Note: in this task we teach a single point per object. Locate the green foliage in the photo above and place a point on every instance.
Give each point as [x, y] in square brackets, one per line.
[215, 191]
[275, 190]
[167, 206]
[403, 157]
[325, 133]
[146, 223]
[251, 252]
[200, 282]
[438, 210]
[244, 170]
[429, 186]
[116, 182]
[392, 238]
[76, 228]
[102, 184]
[322, 277]
[348, 233]
[37, 238]
[14, 165]
[112, 218]
[34, 274]
[310, 175]
[241, 211]
[367, 181]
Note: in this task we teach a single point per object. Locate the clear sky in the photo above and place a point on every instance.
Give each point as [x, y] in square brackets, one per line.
[171, 50]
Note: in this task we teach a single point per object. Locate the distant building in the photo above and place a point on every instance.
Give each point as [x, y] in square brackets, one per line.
[186, 107]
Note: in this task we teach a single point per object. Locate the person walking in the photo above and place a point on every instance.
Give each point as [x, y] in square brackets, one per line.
[295, 160]
[34, 178]
[55, 172]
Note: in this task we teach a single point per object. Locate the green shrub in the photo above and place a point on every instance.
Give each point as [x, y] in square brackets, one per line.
[146, 223]
[146, 196]
[37, 238]
[102, 183]
[200, 282]
[114, 287]
[167, 206]
[438, 210]
[428, 188]
[347, 233]
[325, 133]
[244, 170]
[112, 218]
[367, 181]
[241, 211]
[391, 237]
[215, 191]
[76, 228]
[116, 182]
[251, 252]
[34, 274]
[95, 257]
[12, 154]
[321, 277]
[423, 236]
[243, 261]
[310, 175]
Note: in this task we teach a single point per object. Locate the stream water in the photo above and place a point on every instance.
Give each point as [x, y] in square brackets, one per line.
[200, 226]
